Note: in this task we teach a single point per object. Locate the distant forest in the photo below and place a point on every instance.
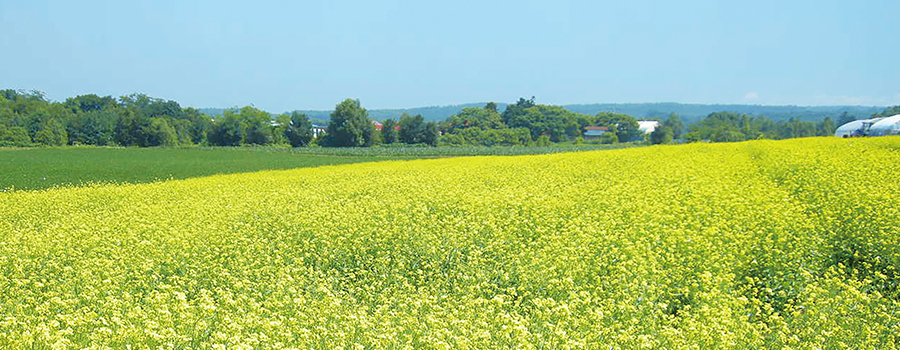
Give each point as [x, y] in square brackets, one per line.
[690, 113]
[30, 119]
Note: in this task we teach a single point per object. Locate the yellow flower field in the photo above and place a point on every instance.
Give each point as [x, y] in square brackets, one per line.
[772, 244]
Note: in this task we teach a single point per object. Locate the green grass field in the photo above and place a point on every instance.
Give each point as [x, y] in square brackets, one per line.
[41, 168]
[439, 152]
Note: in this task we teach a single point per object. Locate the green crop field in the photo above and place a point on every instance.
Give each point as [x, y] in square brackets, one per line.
[39, 168]
[761, 244]
[438, 152]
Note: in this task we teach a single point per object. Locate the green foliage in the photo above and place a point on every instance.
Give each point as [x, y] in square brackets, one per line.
[491, 107]
[299, 131]
[160, 133]
[14, 136]
[556, 122]
[96, 127]
[89, 103]
[40, 168]
[826, 127]
[349, 126]
[489, 137]
[888, 112]
[228, 130]
[674, 123]
[542, 141]
[412, 129]
[432, 133]
[388, 133]
[516, 110]
[130, 121]
[52, 133]
[662, 135]
[609, 138]
[731, 127]
[473, 117]
[845, 118]
[625, 126]
[247, 125]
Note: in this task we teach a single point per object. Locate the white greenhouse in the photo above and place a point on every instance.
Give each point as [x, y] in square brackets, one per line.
[856, 128]
[885, 127]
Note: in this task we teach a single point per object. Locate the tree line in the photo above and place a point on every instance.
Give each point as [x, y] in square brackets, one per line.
[28, 118]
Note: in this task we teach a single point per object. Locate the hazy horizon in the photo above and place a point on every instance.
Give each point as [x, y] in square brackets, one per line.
[281, 56]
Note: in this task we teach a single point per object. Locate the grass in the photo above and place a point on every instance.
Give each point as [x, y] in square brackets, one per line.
[421, 151]
[41, 168]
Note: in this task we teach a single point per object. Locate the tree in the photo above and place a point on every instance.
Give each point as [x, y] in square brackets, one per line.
[388, 134]
[412, 129]
[91, 102]
[674, 123]
[432, 133]
[542, 141]
[95, 127]
[15, 136]
[845, 118]
[661, 135]
[257, 126]
[470, 117]
[349, 126]
[517, 109]
[299, 131]
[200, 125]
[826, 127]
[556, 122]
[228, 130]
[888, 112]
[490, 107]
[609, 138]
[52, 133]
[625, 126]
[160, 133]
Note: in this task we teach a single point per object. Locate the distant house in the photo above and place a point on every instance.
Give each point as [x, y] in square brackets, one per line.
[318, 130]
[647, 126]
[378, 126]
[595, 132]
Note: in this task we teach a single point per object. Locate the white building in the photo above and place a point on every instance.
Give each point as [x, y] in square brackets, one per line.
[856, 128]
[886, 127]
[647, 126]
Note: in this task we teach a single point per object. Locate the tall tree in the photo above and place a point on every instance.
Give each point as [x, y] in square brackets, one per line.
[826, 127]
[160, 133]
[483, 118]
[52, 133]
[299, 131]
[518, 109]
[432, 133]
[845, 118]
[661, 135]
[388, 132]
[674, 123]
[349, 126]
[412, 129]
[625, 126]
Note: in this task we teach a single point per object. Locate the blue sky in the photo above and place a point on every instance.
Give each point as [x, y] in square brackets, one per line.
[285, 55]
